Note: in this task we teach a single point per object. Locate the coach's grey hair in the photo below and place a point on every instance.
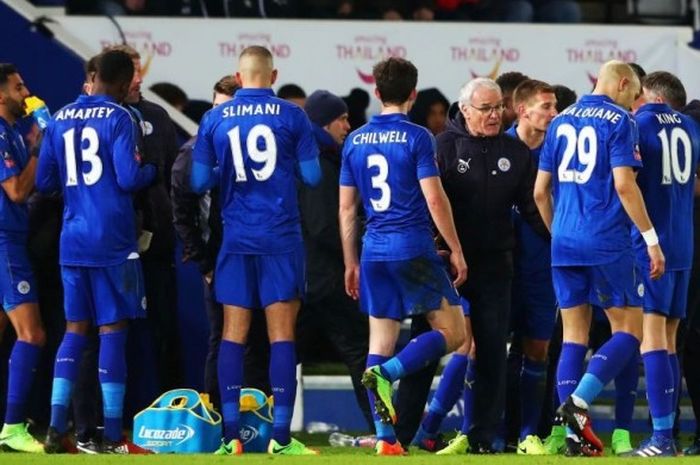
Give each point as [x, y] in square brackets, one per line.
[667, 86]
[467, 91]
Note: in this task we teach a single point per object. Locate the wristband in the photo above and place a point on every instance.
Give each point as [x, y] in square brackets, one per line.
[650, 237]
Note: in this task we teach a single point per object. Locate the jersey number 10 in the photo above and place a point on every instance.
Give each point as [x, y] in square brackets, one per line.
[669, 156]
[88, 154]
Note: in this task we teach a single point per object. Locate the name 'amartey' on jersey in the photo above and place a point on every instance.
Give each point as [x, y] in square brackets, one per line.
[83, 113]
[386, 164]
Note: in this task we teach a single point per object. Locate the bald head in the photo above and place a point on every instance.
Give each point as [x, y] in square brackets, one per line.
[255, 68]
[619, 81]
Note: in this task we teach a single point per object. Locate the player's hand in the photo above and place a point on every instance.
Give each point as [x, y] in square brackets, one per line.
[657, 261]
[352, 281]
[458, 266]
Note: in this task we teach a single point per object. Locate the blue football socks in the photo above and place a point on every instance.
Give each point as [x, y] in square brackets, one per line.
[532, 385]
[448, 391]
[22, 365]
[112, 375]
[283, 381]
[65, 372]
[570, 368]
[385, 432]
[417, 354]
[626, 393]
[468, 396]
[230, 372]
[659, 379]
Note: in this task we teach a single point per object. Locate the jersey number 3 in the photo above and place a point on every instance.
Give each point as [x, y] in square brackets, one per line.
[379, 182]
[89, 143]
[585, 145]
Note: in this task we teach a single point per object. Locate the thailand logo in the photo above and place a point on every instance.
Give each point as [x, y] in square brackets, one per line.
[366, 51]
[598, 51]
[246, 39]
[485, 53]
[146, 44]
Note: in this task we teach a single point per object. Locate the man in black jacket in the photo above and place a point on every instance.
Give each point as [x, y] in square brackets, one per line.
[485, 173]
[327, 309]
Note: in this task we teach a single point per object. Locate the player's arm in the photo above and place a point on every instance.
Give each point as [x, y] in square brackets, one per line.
[130, 175]
[441, 213]
[204, 174]
[48, 178]
[17, 184]
[632, 201]
[307, 151]
[347, 217]
[543, 197]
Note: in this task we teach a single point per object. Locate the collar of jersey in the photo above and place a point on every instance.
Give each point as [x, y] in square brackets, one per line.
[597, 98]
[655, 107]
[245, 92]
[95, 98]
[390, 118]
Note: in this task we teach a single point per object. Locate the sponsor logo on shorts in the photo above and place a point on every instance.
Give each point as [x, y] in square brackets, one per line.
[23, 287]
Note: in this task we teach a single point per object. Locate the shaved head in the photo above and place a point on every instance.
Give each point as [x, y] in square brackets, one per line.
[255, 67]
[619, 81]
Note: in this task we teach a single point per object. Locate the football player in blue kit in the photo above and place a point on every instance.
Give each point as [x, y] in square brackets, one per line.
[17, 284]
[534, 308]
[253, 146]
[587, 193]
[390, 165]
[669, 143]
[89, 153]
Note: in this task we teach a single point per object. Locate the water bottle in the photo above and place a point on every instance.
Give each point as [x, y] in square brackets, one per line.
[342, 440]
[38, 109]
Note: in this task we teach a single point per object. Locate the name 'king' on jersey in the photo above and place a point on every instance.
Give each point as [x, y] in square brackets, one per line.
[257, 141]
[385, 160]
[89, 152]
[669, 143]
[582, 146]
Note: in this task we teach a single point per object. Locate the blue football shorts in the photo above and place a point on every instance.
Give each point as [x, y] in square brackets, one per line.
[616, 284]
[256, 281]
[667, 295]
[17, 282]
[402, 288]
[534, 305]
[104, 295]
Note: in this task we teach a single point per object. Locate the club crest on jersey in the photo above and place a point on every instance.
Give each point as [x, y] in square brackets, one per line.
[640, 290]
[146, 128]
[23, 287]
[8, 160]
[463, 165]
[503, 164]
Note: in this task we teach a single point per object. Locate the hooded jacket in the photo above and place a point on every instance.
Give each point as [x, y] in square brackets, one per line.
[484, 177]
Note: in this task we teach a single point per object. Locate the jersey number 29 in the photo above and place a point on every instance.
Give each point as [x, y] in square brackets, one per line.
[88, 154]
[585, 145]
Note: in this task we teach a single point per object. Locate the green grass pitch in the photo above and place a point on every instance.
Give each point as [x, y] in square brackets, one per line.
[329, 456]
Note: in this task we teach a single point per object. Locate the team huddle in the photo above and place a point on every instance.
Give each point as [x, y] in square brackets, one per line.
[614, 189]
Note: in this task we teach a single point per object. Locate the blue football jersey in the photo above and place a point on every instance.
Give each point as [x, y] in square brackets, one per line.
[385, 160]
[534, 252]
[257, 140]
[13, 216]
[669, 143]
[89, 152]
[582, 146]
